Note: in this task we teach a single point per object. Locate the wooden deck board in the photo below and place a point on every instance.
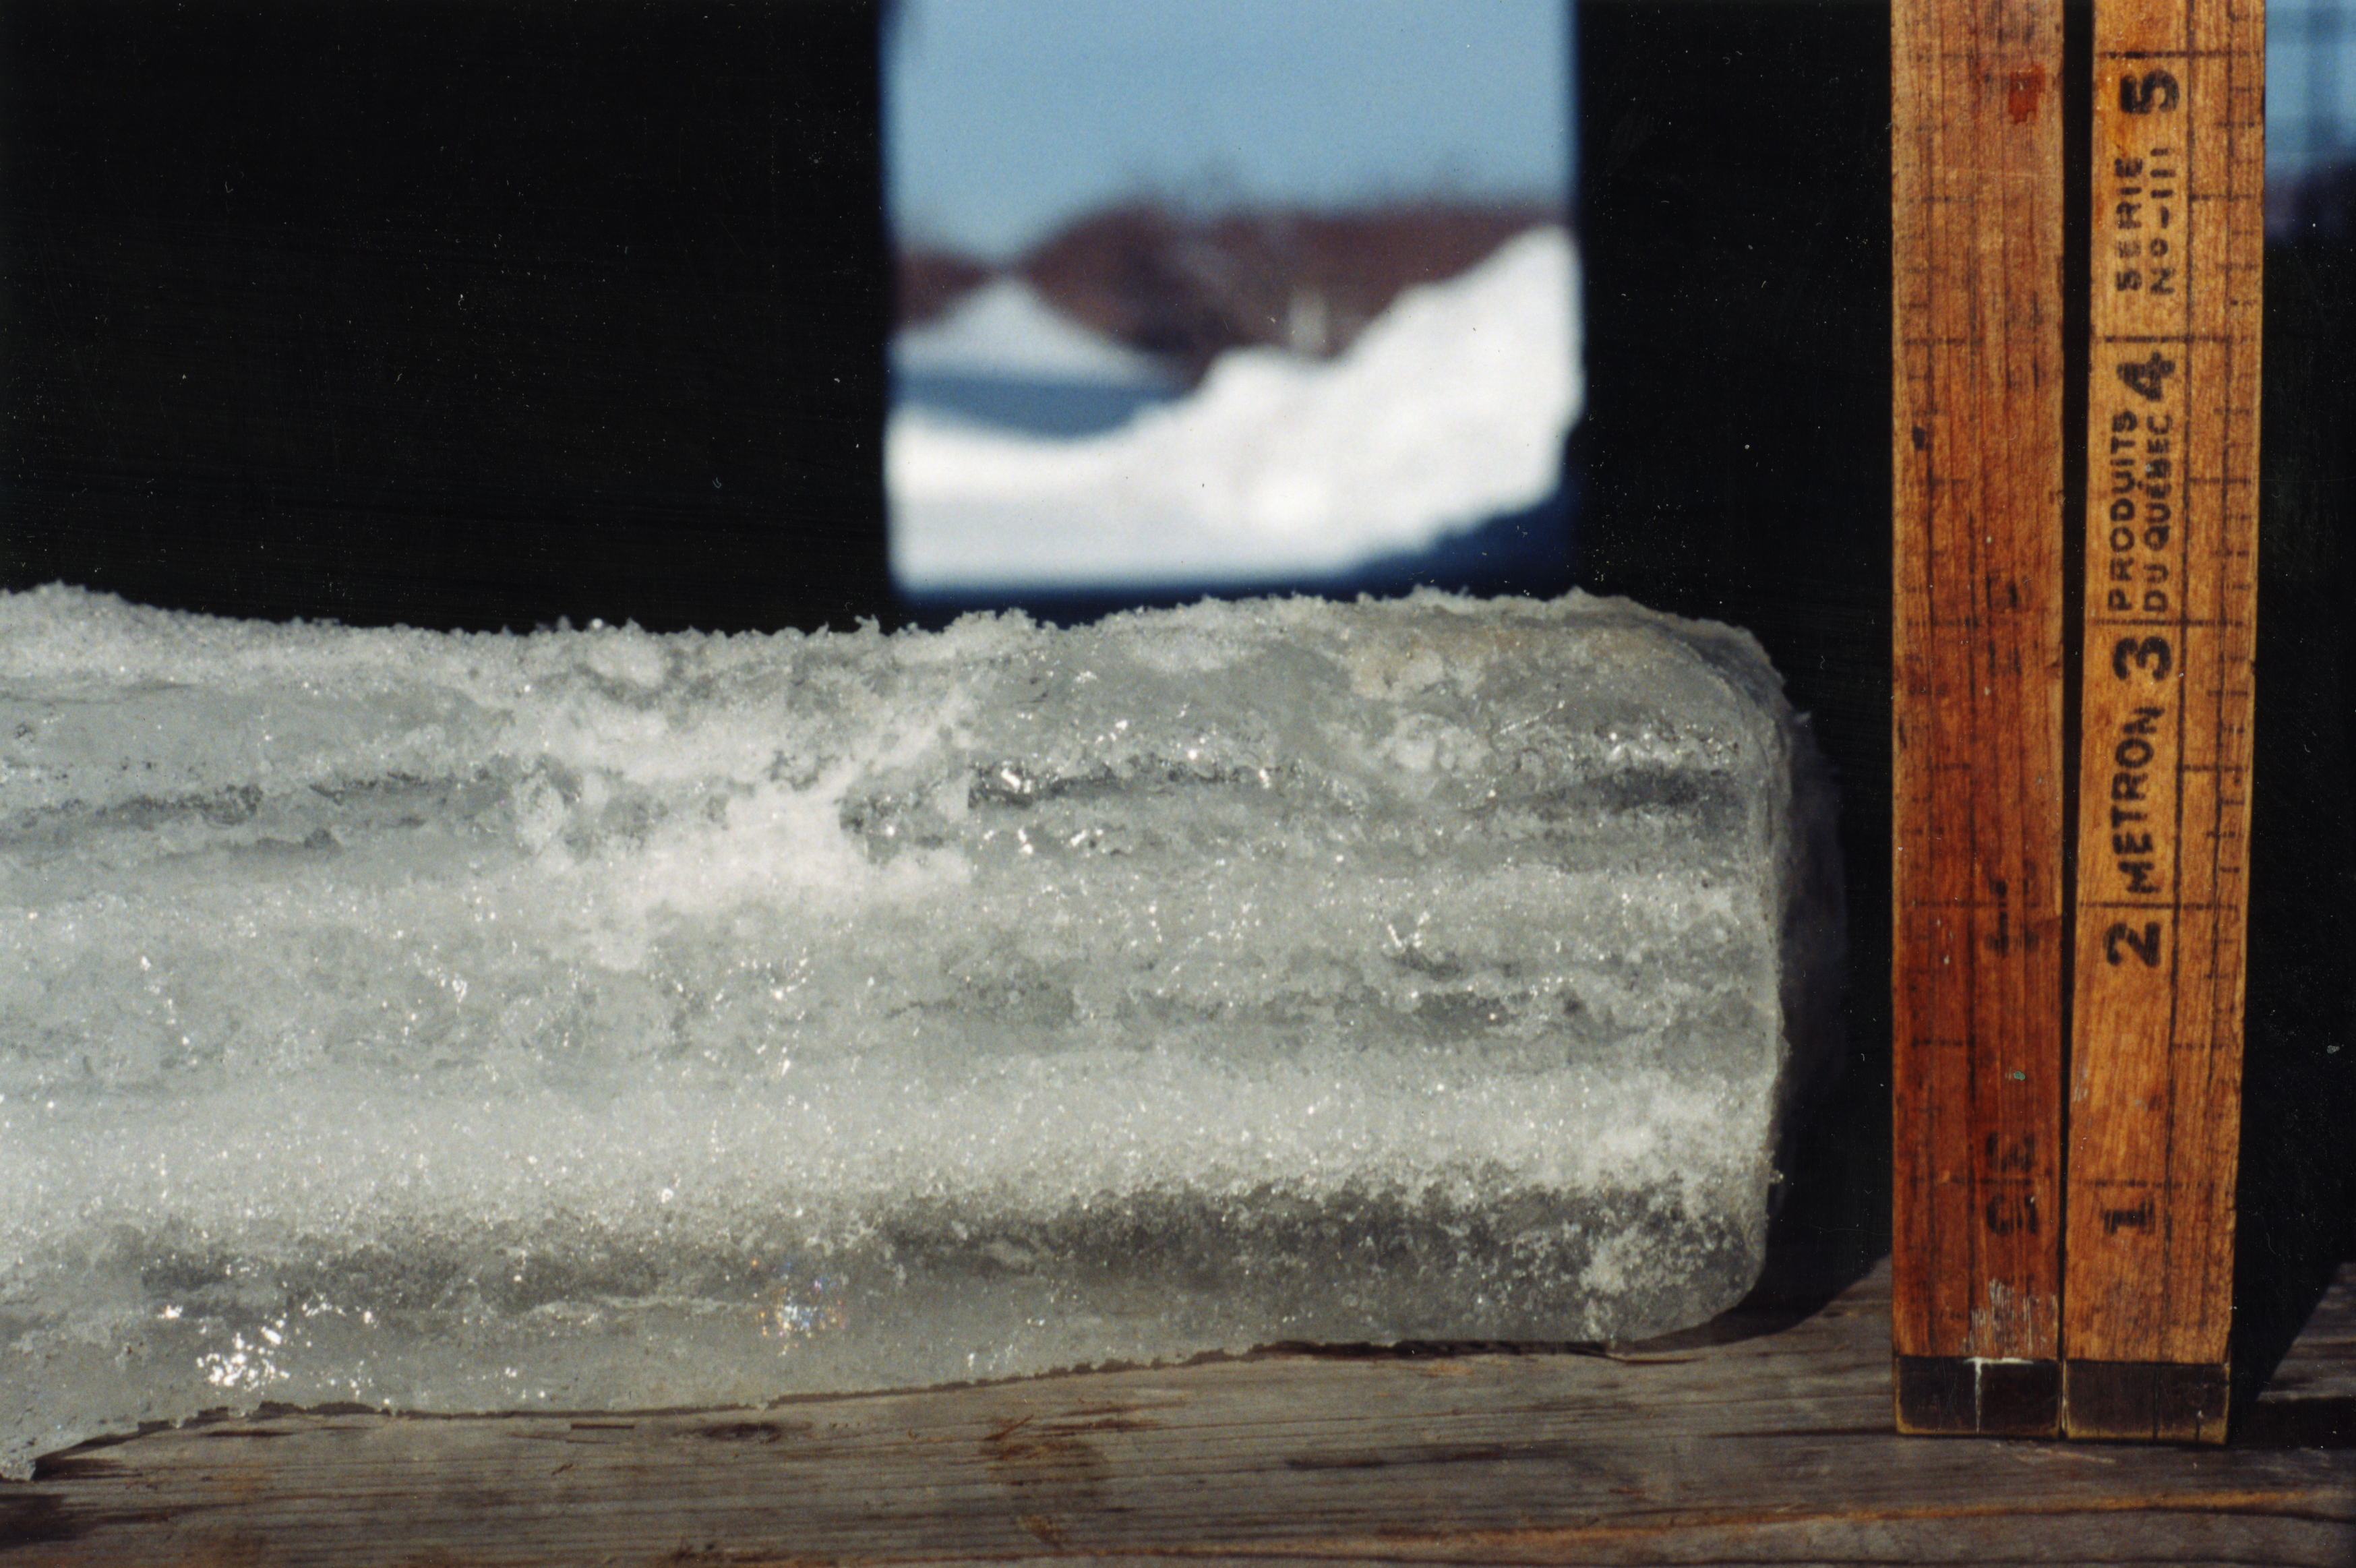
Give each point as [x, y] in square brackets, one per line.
[1756, 1440]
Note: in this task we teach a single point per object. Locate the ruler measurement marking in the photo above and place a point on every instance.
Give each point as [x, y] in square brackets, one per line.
[2220, 1067]
[2141, 1185]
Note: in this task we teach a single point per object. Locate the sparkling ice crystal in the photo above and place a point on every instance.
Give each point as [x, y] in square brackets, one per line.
[597, 1019]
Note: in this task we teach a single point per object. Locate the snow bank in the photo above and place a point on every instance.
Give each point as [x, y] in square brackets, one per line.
[1451, 409]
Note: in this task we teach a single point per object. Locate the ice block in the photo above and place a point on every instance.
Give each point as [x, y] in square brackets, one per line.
[596, 1019]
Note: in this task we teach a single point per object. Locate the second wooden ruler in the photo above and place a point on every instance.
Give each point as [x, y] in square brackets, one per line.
[2065, 1146]
[2164, 760]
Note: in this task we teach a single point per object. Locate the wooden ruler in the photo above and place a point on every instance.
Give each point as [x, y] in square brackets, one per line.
[1977, 768]
[2164, 762]
[2018, 1309]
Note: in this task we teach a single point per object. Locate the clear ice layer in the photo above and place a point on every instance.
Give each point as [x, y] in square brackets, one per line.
[597, 1019]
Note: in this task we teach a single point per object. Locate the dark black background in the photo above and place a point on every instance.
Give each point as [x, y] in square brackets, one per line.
[452, 312]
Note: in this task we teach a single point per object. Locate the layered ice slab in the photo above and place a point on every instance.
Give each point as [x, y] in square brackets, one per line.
[598, 1019]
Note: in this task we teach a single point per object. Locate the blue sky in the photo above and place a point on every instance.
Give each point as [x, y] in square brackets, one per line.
[1005, 117]
[2310, 82]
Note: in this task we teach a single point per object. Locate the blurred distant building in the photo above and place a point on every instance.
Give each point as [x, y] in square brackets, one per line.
[927, 282]
[1186, 289]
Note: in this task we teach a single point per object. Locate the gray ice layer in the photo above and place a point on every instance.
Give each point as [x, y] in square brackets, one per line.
[600, 1019]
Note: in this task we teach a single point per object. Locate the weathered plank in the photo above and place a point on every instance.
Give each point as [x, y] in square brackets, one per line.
[1977, 235]
[1757, 1440]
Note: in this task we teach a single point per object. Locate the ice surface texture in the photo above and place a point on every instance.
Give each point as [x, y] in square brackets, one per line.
[598, 1019]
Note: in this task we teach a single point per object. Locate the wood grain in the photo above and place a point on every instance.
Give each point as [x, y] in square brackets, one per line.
[2155, 1111]
[1760, 1439]
[1977, 203]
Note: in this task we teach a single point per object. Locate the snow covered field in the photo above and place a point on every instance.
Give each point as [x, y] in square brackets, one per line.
[1449, 410]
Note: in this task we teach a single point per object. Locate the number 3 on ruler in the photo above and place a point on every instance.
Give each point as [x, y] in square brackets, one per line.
[2148, 653]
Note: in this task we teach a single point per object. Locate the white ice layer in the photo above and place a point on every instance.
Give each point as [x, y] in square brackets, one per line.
[599, 1019]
